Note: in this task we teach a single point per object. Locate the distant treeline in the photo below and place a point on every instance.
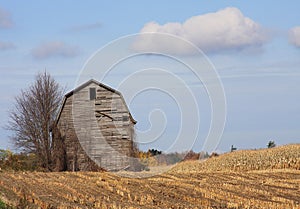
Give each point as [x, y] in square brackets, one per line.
[152, 157]
[18, 162]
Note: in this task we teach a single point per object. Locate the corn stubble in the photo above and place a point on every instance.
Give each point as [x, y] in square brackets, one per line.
[267, 178]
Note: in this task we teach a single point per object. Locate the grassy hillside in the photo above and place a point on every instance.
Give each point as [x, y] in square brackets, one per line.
[209, 184]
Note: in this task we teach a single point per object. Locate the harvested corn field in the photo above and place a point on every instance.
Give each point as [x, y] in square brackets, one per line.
[181, 187]
[257, 189]
[283, 157]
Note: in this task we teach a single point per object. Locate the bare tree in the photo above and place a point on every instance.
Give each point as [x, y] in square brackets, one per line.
[34, 112]
[271, 144]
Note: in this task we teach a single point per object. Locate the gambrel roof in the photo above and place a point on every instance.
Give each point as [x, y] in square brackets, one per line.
[87, 84]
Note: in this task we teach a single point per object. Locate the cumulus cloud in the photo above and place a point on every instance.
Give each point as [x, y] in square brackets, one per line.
[294, 36]
[79, 28]
[54, 49]
[227, 29]
[5, 19]
[6, 46]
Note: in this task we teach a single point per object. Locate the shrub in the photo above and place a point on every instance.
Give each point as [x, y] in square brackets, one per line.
[18, 162]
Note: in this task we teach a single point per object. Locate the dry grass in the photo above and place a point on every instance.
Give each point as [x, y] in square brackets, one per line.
[284, 157]
[187, 185]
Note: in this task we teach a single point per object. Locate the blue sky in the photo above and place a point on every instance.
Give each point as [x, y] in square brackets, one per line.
[253, 45]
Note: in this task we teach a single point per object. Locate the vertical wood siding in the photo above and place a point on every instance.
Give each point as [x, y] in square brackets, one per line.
[103, 126]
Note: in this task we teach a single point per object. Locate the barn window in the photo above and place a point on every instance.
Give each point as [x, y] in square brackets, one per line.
[92, 93]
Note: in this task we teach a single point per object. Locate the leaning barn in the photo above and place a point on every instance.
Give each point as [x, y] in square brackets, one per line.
[94, 129]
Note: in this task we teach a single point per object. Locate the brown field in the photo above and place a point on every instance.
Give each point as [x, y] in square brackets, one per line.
[267, 178]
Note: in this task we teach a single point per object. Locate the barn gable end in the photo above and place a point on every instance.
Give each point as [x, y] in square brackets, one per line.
[96, 128]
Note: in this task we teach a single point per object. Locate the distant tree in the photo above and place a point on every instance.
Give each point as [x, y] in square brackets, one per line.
[17, 162]
[34, 112]
[174, 157]
[154, 152]
[233, 148]
[271, 144]
[191, 155]
[4, 154]
[203, 155]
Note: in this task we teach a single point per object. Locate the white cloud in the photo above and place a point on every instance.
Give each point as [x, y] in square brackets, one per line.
[5, 19]
[6, 46]
[227, 29]
[54, 49]
[294, 36]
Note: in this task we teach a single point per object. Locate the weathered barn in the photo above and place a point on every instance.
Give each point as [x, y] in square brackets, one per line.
[94, 129]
